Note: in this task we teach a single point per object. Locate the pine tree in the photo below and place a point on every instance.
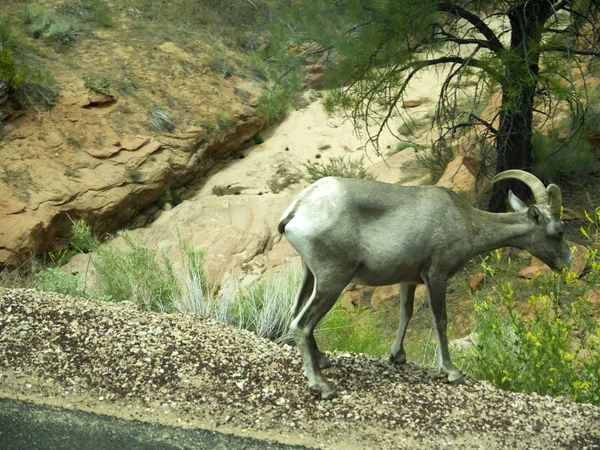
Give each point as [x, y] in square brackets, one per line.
[530, 51]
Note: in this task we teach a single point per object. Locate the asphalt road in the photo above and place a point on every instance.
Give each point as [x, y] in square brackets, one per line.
[28, 426]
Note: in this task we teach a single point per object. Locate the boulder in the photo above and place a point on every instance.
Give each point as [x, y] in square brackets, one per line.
[385, 296]
[458, 178]
[476, 282]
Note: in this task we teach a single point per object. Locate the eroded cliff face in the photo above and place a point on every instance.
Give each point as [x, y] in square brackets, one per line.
[47, 181]
[94, 156]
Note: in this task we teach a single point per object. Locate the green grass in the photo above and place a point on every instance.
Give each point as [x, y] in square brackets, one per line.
[135, 273]
[160, 121]
[100, 85]
[356, 331]
[337, 167]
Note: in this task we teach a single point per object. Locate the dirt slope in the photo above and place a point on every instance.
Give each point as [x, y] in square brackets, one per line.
[193, 371]
[95, 157]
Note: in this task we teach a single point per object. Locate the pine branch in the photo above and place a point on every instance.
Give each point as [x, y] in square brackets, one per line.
[572, 51]
[494, 43]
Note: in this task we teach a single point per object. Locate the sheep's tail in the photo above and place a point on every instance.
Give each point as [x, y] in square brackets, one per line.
[290, 212]
[286, 217]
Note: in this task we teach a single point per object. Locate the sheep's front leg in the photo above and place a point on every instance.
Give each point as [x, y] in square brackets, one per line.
[407, 299]
[436, 290]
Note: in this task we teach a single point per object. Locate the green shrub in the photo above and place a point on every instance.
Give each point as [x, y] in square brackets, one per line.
[38, 90]
[53, 279]
[275, 102]
[435, 160]
[135, 273]
[553, 159]
[338, 167]
[401, 145]
[100, 85]
[83, 240]
[265, 306]
[160, 121]
[553, 350]
[355, 331]
[221, 65]
[29, 14]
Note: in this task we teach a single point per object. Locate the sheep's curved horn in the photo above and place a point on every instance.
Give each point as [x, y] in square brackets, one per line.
[555, 199]
[537, 187]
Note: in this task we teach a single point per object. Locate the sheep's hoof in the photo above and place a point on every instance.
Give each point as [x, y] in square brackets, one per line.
[324, 361]
[325, 389]
[456, 378]
[398, 359]
[328, 394]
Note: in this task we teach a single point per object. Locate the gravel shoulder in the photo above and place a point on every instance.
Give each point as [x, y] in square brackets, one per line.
[192, 371]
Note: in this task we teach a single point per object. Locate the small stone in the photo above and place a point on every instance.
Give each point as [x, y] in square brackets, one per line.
[476, 282]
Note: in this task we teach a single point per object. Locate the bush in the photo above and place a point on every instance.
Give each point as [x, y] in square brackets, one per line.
[338, 167]
[553, 159]
[135, 273]
[554, 349]
[53, 279]
[402, 145]
[435, 160]
[38, 90]
[100, 85]
[263, 307]
[83, 240]
[160, 121]
[25, 83]
[274, 102]
[355, 331]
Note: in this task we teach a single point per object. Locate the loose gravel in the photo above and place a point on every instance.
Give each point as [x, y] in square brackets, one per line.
[199, 372]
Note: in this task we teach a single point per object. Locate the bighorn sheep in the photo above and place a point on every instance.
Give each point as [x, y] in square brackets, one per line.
[377, 234]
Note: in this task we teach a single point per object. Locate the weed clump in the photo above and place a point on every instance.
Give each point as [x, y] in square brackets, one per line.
[549, 345]
[435, 160]
[83, 240]
[160, 121]
[100, 85]
[19, 73]
[338, 167]
[135, 273]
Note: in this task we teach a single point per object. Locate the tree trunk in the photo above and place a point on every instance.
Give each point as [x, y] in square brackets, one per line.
[513, 145]
[513, 140]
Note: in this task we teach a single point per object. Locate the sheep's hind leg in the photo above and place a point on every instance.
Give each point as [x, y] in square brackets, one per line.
[305, 291]
[407, 299]
[324, 296]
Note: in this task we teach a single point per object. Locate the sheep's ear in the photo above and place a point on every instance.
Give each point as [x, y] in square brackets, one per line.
[516, 203]
[534, 214]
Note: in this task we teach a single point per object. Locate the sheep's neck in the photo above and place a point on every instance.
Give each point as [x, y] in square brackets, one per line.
[495, 230]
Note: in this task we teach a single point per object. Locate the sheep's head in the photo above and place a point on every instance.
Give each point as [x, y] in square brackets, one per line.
[547, 241]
